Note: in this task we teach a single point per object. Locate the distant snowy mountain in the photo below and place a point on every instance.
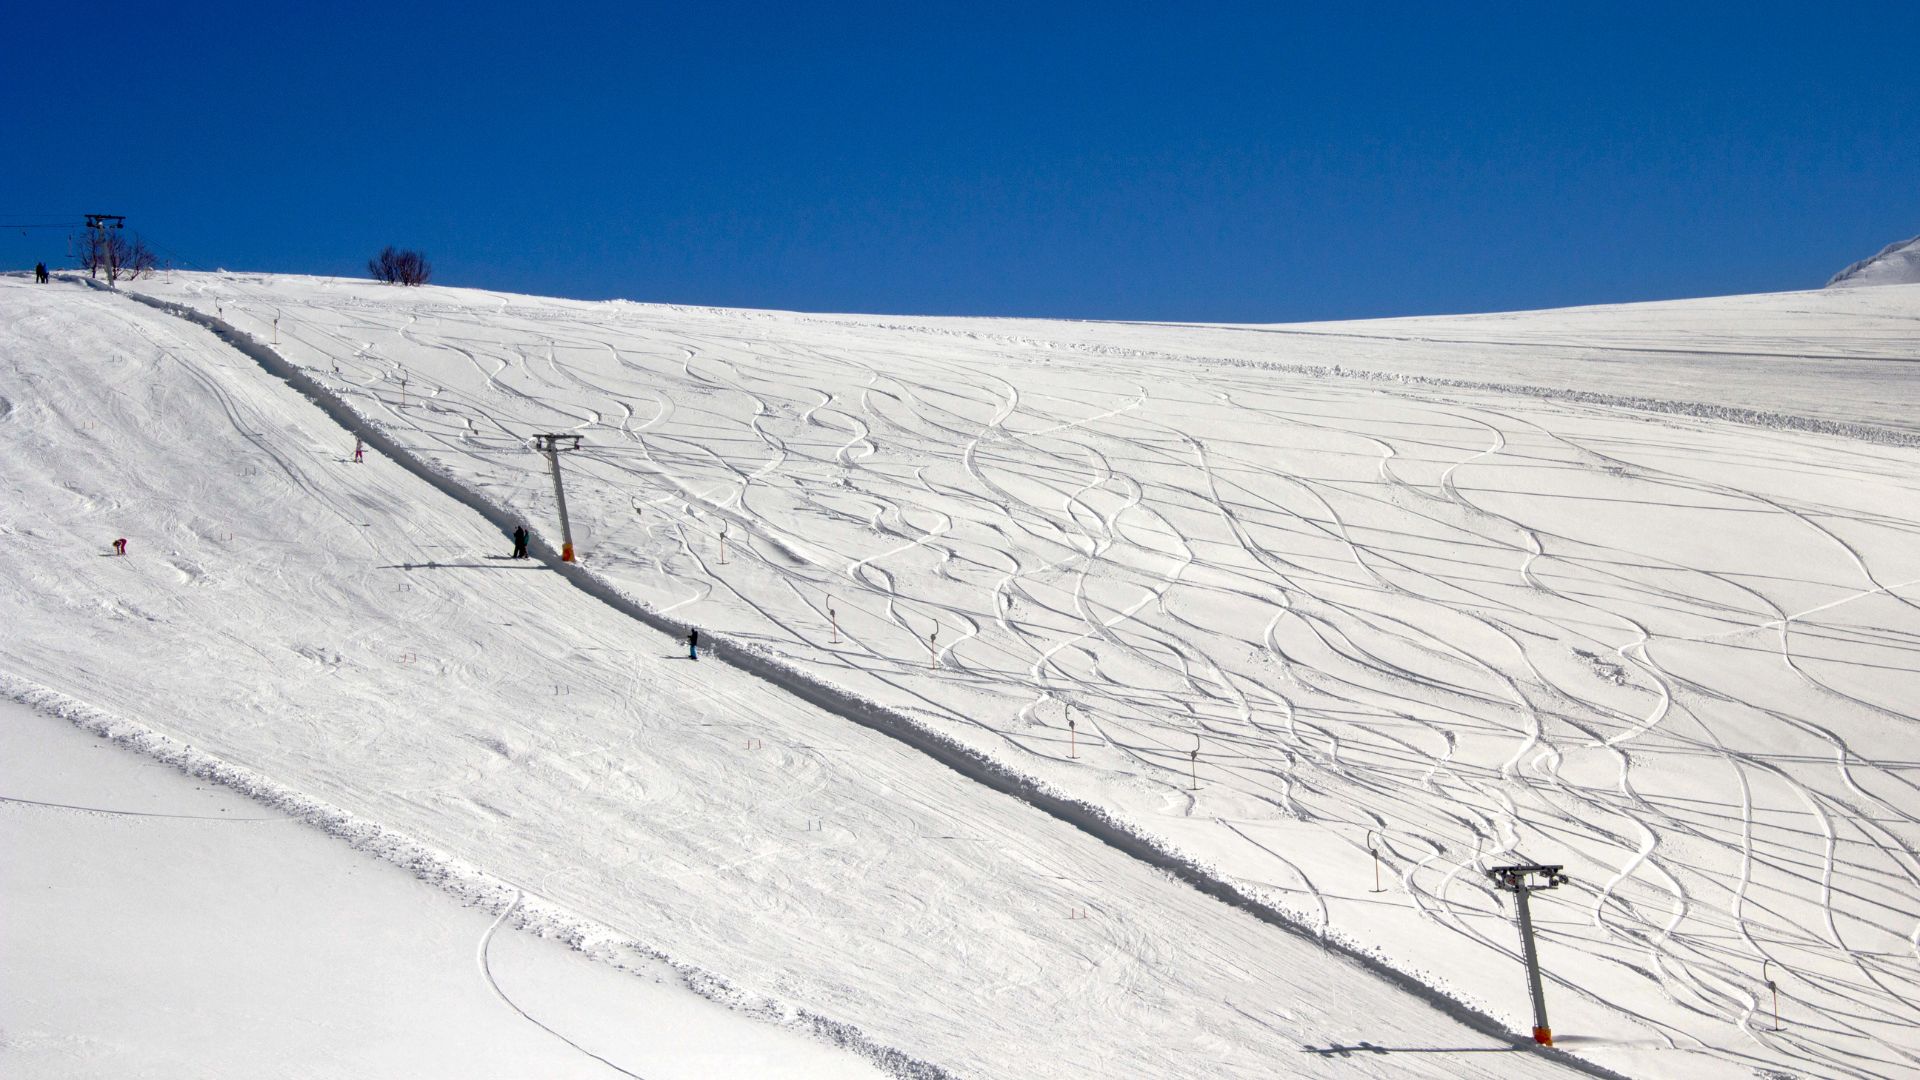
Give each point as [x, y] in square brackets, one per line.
[1896, 264]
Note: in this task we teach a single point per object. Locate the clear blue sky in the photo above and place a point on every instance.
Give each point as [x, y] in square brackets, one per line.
[1173, 161]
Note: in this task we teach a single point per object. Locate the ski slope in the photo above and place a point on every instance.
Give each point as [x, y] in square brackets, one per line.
[346, 643]
[1604, 587]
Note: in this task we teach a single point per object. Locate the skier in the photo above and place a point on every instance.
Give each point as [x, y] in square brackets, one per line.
[519, 541]
[40, 273]
[120, 546]
[693, 644]
[359, 450]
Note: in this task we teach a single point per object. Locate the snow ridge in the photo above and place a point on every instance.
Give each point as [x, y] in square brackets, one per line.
[1896, 264]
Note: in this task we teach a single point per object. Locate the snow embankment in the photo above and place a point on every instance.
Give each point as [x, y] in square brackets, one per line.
[159, 923]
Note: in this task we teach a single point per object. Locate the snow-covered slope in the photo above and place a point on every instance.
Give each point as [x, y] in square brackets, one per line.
[1895, 264]
[1601, 587]
[349, 642]
[157, 925]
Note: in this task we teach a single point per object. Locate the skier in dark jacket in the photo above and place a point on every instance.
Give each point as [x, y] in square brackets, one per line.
[520, 541]
[693, 644]
[40, 273]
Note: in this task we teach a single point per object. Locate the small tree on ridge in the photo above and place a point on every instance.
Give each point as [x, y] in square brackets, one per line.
[130, 257]
[396, 267]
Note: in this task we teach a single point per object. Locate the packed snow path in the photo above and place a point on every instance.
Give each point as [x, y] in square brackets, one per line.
[352, 633]
[1676, 654]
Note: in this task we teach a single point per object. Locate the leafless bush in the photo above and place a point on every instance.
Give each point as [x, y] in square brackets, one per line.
[116, 253]
[397, 267]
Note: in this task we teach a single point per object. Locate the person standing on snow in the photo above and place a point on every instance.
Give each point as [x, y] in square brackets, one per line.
[519, 541]
[693, 644]
[40, 273]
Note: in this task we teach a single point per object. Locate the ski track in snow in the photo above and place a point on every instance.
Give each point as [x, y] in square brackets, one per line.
[483, 958]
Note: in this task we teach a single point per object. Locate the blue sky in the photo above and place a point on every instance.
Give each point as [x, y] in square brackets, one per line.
[1249, 162]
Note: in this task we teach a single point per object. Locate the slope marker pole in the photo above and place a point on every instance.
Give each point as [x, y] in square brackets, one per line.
[1775, 988]
[1372, 840]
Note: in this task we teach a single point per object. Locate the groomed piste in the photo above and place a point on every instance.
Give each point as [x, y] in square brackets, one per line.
[1076, 699]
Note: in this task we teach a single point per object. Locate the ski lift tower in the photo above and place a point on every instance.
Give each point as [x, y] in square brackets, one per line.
[551, 444]
[97, 226]
[1521, 881]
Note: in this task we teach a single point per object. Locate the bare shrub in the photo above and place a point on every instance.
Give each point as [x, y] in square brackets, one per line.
[115, 252]
[396, 267]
